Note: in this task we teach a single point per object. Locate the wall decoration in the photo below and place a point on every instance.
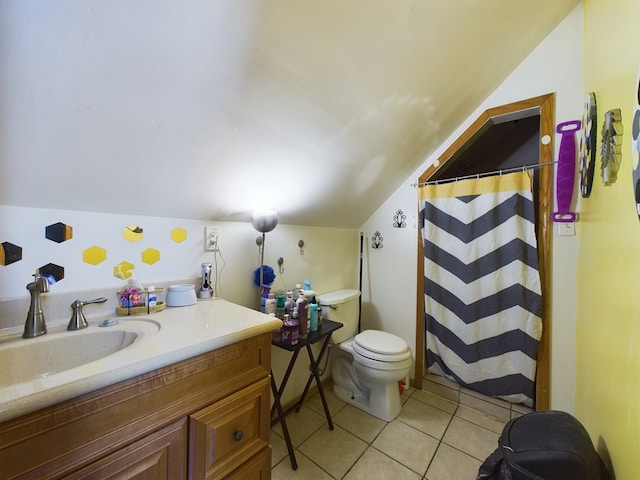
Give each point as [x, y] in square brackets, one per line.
[10, 253]
[58, 232]
[399, 219]
[123, 270]
[376, 240]
[94, 255]
[178, 234]
[132, 233]
[588, 144]
[52, 272]
[566, 171]
[611, 146]
[150, 256]
[635, 146]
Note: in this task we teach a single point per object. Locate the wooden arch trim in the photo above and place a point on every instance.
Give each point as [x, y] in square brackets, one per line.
[544, 106]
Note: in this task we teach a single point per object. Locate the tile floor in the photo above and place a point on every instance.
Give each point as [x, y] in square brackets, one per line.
[442, 433]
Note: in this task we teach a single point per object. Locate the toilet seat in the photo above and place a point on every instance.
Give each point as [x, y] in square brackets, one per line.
[381, 346]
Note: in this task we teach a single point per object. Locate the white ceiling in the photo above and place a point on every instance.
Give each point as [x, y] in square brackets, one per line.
[209, 109]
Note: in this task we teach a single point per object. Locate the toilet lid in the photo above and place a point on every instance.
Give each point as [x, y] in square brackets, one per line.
[381, 346]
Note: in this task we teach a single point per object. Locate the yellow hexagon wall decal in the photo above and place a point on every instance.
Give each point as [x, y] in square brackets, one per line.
[94, 255]
[151, 256]
[133, 233]
[123, 270]
[178, 234]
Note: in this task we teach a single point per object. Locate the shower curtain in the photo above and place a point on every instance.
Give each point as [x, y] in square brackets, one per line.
[483, 301]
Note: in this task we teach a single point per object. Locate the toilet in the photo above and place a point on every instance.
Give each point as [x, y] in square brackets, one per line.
[365, 367]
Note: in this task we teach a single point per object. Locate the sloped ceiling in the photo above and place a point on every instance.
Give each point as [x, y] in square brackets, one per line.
[209, 109]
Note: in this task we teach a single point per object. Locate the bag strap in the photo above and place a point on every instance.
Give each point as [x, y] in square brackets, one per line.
[513, 465]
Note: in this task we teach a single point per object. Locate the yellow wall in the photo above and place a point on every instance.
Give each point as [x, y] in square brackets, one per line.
[608, 320]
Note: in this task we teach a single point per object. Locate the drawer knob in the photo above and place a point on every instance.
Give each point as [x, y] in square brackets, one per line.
[238, 435]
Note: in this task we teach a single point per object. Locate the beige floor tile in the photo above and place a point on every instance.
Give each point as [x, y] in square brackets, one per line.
[490, 408]
[376, 465]
[478, 418]
[452, 464]
[334, 450]
[435, 400]
[424, 417]
[301, 425]
[333, 402]
[517, 409]
[307, 470]
[278, 448]
[366, 427]
[471, 438]
[451, 393]
[407, 445]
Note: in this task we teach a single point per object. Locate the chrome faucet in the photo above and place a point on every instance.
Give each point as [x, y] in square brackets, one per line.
[35, 325]
[78, 320]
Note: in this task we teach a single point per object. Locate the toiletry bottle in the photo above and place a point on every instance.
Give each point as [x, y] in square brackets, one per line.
[280, 309]
[152, 296]
[270, 305]
[313, 317]
[308, 292]
[288, 302]
[303, 314]
[313, 300]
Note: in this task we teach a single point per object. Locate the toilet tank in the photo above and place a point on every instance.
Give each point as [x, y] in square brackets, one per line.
[341, 306]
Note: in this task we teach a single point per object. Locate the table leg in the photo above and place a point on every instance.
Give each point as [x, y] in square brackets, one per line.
[283, 423]
[285, 379]
[314, 374]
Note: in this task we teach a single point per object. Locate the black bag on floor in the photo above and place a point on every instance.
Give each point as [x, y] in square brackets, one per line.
[546, 445]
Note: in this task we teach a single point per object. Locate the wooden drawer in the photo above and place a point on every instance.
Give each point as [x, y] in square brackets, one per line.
[258, 468]
[229, 432]
[159, 456]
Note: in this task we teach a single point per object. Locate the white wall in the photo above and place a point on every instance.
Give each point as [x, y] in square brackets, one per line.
[390, 273]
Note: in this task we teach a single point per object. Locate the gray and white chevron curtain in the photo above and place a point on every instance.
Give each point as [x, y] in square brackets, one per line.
[483, 301]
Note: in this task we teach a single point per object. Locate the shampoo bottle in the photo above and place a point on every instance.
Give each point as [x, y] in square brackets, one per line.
[270, 305]
[313, 317]
[303, 314]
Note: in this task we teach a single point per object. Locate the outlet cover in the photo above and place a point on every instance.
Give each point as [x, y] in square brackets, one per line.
[566, 228]
[212, 239]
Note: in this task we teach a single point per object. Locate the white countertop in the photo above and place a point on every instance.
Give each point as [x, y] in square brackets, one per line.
[185, 332]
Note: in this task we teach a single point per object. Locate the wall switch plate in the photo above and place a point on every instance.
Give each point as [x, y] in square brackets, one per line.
[566, 228]
[212, 239]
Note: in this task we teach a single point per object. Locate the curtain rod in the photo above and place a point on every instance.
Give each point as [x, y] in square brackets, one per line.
[484, 174]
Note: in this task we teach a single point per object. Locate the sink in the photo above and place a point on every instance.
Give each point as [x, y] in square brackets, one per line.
[59, 350]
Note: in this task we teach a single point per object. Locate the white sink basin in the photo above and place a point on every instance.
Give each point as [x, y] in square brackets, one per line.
[24, 360]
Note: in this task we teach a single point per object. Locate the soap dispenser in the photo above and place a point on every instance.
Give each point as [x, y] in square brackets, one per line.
[206, 290]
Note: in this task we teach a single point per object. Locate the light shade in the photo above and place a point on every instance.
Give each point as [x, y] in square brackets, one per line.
[264, 220]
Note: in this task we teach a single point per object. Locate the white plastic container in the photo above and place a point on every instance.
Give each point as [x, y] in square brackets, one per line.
[181, 295]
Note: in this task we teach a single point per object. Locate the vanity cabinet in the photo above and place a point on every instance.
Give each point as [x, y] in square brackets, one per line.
[202, 418]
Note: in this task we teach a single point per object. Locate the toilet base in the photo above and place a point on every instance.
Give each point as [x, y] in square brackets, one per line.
[384, 404]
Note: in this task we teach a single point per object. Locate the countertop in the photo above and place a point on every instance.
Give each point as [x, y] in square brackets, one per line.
[184, 332]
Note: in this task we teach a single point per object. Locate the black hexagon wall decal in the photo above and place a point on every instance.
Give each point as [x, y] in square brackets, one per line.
[54, 273]
[10, 253]
[59, 232]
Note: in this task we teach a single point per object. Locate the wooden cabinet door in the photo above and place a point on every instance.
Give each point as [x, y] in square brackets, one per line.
[159, 456]
[258, 468]
[228, 433]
